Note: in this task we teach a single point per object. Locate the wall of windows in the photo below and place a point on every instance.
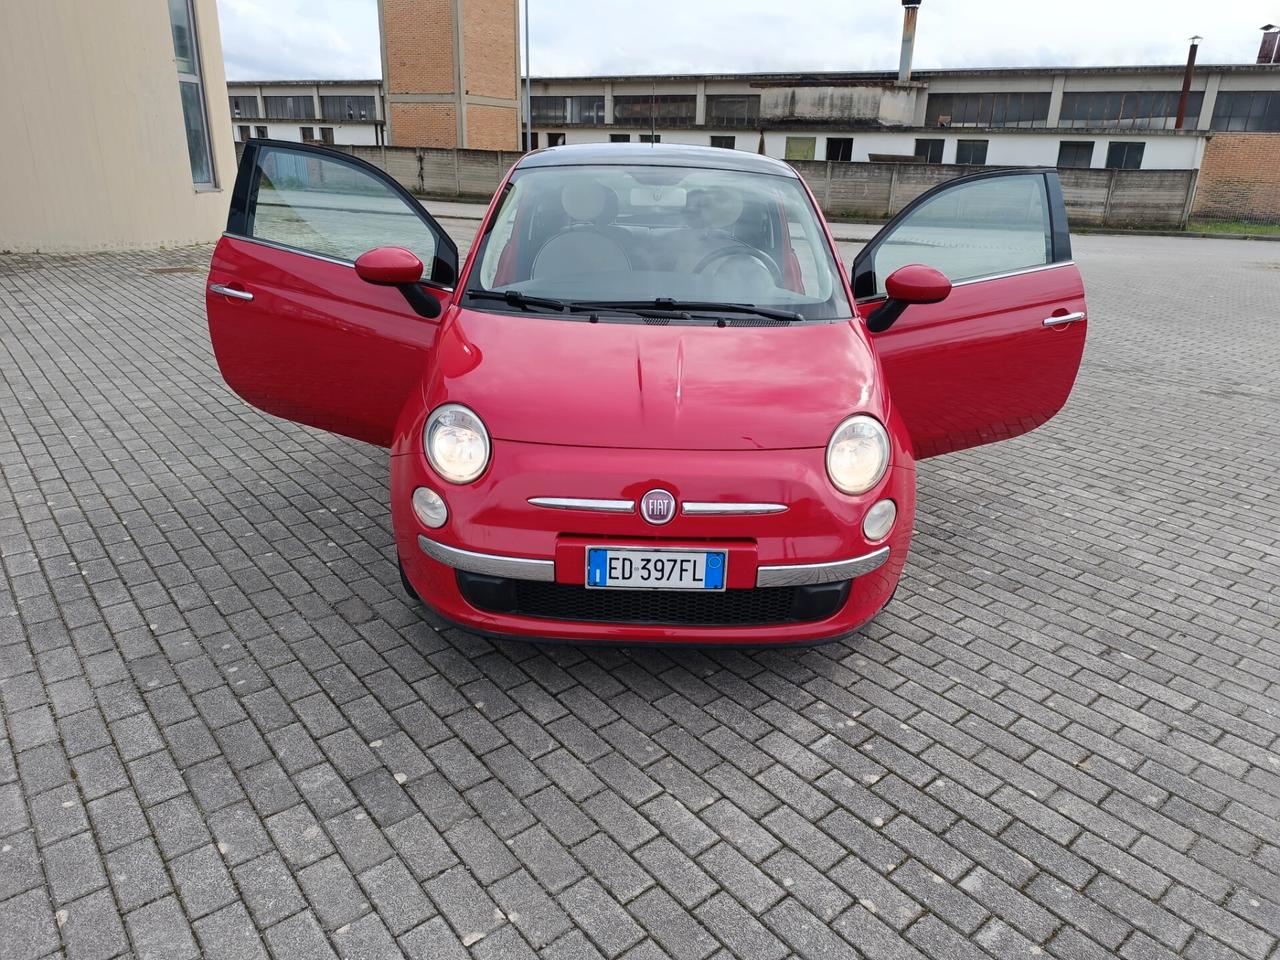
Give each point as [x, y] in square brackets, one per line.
[667, 110]
[344, 107]
[1147, 110]
[987, 110]
[300, 107]
[733, 110]
[245, 108]
[1247, 110]
[557, 110]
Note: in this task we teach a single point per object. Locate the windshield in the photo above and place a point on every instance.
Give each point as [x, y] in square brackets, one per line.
[631, 234]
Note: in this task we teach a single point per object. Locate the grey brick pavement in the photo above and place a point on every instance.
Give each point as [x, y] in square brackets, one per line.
[227, 732]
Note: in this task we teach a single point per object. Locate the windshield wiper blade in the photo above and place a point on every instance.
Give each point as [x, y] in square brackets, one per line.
[514, 298]
[700, 306]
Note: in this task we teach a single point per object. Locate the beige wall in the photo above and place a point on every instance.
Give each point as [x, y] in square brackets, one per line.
[95, 155]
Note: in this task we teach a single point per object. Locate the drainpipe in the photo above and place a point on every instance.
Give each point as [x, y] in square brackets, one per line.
[910, 9]
[1186, 83]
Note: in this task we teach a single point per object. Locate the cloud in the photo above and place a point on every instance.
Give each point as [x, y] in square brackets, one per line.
[322, 39]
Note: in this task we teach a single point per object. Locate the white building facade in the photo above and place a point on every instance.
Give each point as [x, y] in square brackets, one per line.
[1117, 117]
[313, 111]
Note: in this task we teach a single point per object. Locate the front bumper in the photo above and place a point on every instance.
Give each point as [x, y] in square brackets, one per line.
[524, 568]
[502, 565]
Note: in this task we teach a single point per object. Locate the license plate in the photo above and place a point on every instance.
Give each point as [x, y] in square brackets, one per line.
[627, 569]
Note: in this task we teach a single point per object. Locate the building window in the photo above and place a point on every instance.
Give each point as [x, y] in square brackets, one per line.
[929, 151]
[650, 138]
[728, 143]
[1124, 156]
[1143, 110]
[555, 139]
[733, 110]
[191, 91]
[987, 110]
[342, 107]
[326, 134]
[840, 148]
[243, 132]
[557, 110]
[260, 132]
[800, 148]
[1247, 110]
[307, 134]
[971, 152]
[619, 138]
[291, 108]
[1075, 153]
[666, 110]
[244, 108]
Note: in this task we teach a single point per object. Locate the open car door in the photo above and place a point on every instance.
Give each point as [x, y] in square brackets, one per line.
[999, 355]
[296, 332]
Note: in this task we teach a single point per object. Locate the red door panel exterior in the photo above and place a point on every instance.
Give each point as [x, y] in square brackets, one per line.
[982, 365]
[316, 344]
[296, 331]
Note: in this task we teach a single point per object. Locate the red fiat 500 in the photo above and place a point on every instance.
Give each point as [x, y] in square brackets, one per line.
[650, 406]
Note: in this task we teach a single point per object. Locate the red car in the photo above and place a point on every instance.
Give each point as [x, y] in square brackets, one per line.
[651, 405]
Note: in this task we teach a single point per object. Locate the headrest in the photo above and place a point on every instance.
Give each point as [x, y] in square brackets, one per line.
[584, 200]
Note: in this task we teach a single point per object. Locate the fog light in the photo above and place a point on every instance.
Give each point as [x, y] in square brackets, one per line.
[879, 520]
[430, 508]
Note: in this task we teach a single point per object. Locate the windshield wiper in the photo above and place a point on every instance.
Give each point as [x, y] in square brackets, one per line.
[687, 306]
[514, 298]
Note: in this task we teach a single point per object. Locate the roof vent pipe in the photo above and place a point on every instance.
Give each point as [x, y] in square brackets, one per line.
[910, 9]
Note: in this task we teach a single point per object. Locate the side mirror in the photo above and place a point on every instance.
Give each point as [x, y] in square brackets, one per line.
[914, 283]
[400, 268]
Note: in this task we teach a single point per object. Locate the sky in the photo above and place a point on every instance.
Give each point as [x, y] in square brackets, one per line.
[338, 39]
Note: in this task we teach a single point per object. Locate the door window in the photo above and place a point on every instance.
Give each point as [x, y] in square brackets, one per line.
[332, 207]
[971, 152]
[986, 227]
[1075, 153]
[929, 150]
[801, 148]
[840, 148]
[1124, 156]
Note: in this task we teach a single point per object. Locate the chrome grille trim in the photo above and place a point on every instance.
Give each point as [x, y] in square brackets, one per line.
[696, 508]
[517, 568]
[796, 574]
[584, 503]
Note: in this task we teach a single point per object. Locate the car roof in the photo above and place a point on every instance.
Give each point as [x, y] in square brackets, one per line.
[655, 155]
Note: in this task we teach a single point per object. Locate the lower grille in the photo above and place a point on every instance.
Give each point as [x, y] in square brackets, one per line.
[761, 606]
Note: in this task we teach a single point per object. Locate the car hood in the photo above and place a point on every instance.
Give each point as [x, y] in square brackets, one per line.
[538, 379]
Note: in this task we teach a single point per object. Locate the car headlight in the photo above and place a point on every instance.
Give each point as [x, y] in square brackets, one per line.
[456, 443]
[858, 454]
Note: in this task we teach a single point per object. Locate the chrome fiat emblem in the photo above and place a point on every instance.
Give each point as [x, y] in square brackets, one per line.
[657, 506]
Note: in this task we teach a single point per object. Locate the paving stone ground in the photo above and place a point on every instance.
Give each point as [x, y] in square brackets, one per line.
[227, 732]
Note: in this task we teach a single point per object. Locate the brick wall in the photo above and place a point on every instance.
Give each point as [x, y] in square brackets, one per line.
[424, 124]
[489, 35]
[491, 128]
[1240, 177]
[418, 35]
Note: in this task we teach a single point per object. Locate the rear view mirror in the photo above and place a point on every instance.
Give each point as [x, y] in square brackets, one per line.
[400, 268]
[914, 283]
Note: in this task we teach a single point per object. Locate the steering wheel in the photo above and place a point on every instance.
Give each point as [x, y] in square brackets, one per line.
[740, 249]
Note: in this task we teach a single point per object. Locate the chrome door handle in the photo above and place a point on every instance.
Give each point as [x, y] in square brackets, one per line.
[226, 291]
[1065, 318]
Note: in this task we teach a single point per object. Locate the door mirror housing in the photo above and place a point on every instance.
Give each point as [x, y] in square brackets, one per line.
[399, 268]
[389, 266]
[914, 283]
